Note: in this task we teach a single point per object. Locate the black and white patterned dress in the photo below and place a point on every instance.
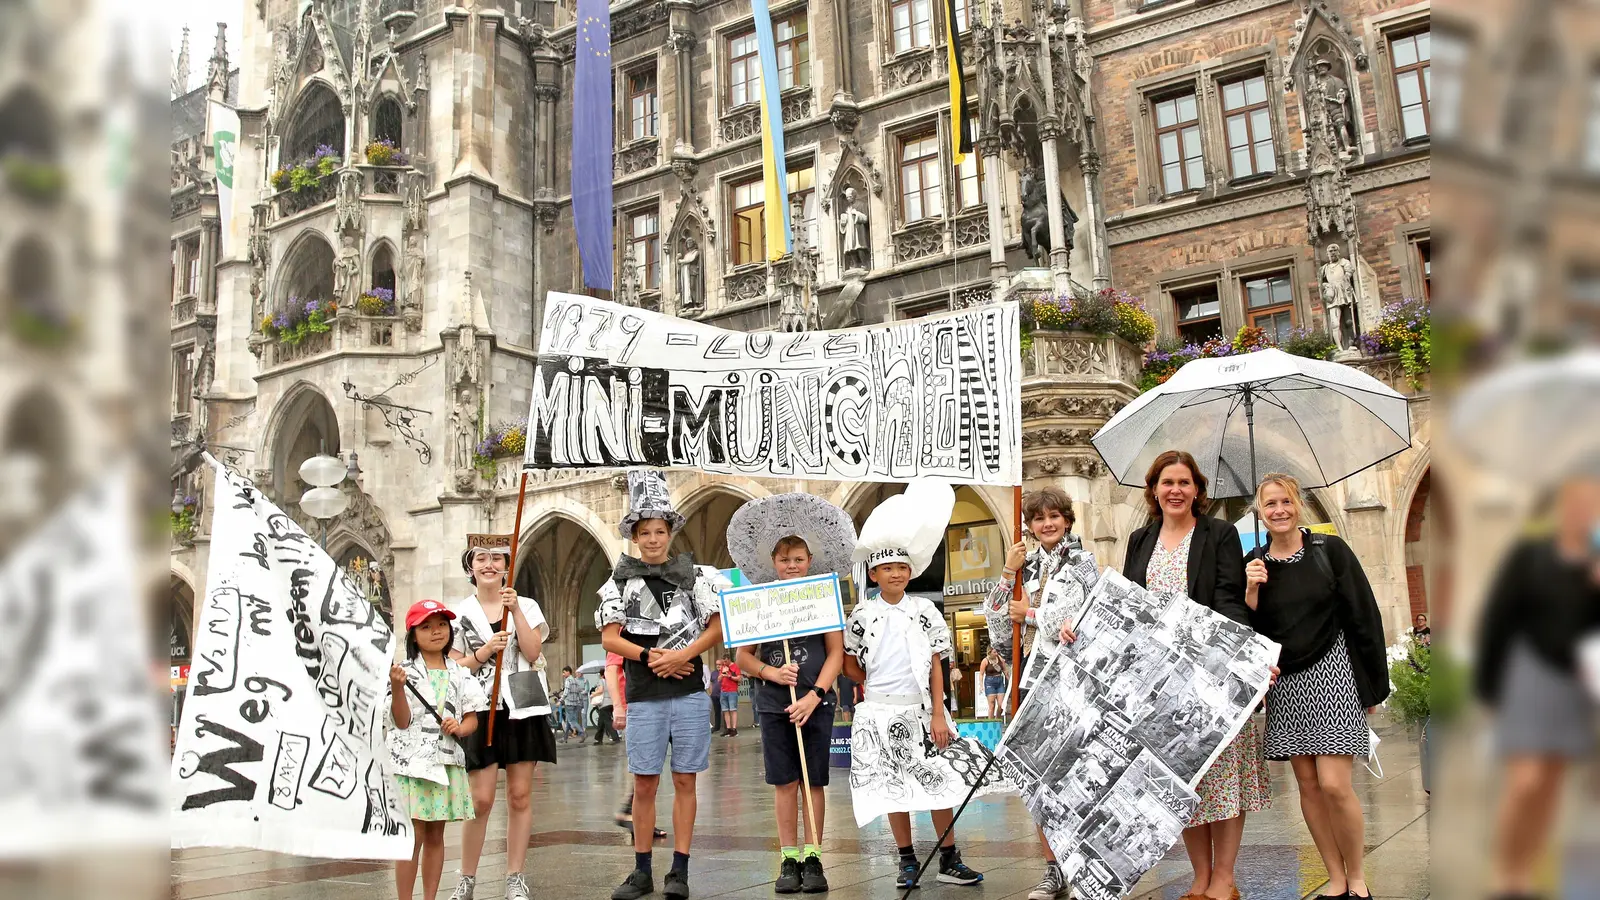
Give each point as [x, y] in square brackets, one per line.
[1315, 711]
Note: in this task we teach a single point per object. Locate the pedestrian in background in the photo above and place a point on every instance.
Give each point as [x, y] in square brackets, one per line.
[1544, 602]
[604, 699]
[1309, 593]
[1185, 551]
[1421, 633]
[993, 672]
[575, 703]
[728, 678]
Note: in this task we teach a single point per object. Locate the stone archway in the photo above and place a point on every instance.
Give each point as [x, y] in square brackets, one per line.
[369, 570]
[306, 426]
[180, 616]
[37, 457]
[1418, 541]
[562, 565]
[705, 533]
[306, 272]
[316, 120]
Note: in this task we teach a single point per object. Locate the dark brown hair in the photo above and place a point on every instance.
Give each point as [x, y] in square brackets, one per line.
[1152, 477]
[1045, 499]
[789, 543]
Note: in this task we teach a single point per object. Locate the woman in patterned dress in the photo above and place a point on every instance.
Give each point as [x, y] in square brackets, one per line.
[1201, 557]
[1310, 595]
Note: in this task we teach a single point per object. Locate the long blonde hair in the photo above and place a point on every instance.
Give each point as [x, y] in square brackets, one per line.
[1291, 486]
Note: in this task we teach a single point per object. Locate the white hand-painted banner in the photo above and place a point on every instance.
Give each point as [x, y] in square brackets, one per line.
[84, 755]
[281, 746]
[1120, 726]
[780, 610]
[935, 397]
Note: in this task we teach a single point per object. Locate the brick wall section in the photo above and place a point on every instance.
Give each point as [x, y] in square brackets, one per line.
[1379, 215]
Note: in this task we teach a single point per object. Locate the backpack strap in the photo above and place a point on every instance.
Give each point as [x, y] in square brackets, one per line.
[1319, 555]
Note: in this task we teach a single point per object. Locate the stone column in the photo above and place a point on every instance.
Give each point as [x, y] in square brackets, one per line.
[681, 37]
[989, 149]
[844, 77]
[1049, 133]
[1095, 203]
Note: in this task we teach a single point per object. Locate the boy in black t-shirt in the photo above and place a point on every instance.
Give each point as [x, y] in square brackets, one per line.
[814, 662]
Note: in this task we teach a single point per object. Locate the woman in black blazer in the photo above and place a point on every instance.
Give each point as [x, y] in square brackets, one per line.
[1183, 550]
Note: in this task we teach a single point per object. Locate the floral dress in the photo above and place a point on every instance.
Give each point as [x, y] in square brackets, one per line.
[429, 801]
[1238, 782]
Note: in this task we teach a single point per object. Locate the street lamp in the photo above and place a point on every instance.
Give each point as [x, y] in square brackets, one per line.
[324, 501]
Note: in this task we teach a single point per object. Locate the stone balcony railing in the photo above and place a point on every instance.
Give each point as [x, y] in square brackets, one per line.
[508, 474]
[184, 309]
[347, 332]
[1388, 369]
[1083, 358]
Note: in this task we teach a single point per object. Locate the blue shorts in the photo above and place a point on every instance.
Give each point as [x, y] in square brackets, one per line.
[679, 721]
[730, 701]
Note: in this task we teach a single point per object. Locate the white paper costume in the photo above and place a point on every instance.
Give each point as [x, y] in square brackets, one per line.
[420, 750]
[524, 691]
[1056, 583]
[626, 600]
[894, 764]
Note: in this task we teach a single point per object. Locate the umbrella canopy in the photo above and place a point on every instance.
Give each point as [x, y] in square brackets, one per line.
[1318, 421]
[1534, 420]
[593, 667]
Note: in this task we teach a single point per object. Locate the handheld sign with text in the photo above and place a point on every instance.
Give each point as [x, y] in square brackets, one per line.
[781, 609]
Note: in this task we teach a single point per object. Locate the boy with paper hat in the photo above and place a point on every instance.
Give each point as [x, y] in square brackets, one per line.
[904, 753]
[775, 539]
[660, 614]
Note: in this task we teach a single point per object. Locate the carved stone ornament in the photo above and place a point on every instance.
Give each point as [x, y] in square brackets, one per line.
[851, 154]
[971, 230]
[691, 283]
[639, 156]
[681, 41]
[1052, 466]
[741, 123]
[347, 272]
[411, 296]
[1057, 437]
[259, 248]
[844, 115]
[918, 241]
[348, 215]
[1315, 20]
[415, 199]
[796, 106]
[548, 212]
[464, 440]
[748, 284]
[1095, 408]
[546, 91]
[909, 68]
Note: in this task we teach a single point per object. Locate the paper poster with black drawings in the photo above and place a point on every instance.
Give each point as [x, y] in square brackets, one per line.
[1122, 724]
[617, 386]
[83, 760]
[281, 746]
[896, 766]
[1062, 599]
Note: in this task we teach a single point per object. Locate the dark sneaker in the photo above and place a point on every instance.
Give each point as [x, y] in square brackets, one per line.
[812, 881]
[675, 886]
[1052, 887]
[908, 875]
[635, 886]
[788, 877]
[954, 871]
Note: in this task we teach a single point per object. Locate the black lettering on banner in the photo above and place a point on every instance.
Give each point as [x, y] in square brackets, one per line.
[244, 495]
[698, 427]
[799, 349]
[334, 650]
[258, 551]
[632, 326]
[283, 530]
[218, 763]
[719, 348]
[342, 604]
[284, 789]
[383, 816]
[220, 664]
[260, 614]
[305, 639]
[361, 702]
[335, 775]
[114, 770]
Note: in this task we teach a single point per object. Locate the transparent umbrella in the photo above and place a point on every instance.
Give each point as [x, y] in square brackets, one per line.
[1260, 412]
[1533, 420]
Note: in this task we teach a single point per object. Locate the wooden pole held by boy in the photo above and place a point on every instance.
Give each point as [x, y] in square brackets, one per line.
[511, 568]
[1017, 662]
[813, 837]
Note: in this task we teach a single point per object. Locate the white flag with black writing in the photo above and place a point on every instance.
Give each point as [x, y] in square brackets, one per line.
[281, 745]
[82, 757]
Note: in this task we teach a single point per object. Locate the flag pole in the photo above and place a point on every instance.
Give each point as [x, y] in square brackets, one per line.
[511, 568]
[1017, 662]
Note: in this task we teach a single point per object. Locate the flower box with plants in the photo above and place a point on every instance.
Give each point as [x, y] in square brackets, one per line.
[383, 152]
[507, 439]
[1104, 313]
[376, 302]
[1171, 354]
[185, 519]
[45, 330]
[309, 180]
[1405, 329]
[41, 182]
[299, 320]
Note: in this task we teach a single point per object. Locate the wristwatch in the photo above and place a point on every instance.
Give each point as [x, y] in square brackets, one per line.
[821, 694]
[644, 656]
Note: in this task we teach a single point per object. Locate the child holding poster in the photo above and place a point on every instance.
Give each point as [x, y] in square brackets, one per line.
[660, 614]
[775, 539]
[904, 753]
[433, 703]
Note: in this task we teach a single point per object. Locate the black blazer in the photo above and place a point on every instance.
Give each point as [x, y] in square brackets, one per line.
[1216, 565]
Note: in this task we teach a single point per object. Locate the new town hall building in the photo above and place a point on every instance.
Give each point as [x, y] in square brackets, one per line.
[1201, 154]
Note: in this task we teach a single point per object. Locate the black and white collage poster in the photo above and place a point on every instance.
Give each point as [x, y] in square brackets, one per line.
[1121, 725]
[281, 746]
[84, 756]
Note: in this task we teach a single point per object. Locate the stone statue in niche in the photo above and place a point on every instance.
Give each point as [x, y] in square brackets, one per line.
[1334, 95]
[628, 278]
[411, 299]
[464, 434]
[1036, 217]
[1337, 276]
[347, 273]
[348, 215]
[855, 233]
[691, 289]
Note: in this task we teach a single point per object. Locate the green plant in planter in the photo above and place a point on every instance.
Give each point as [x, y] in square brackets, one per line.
[1309, 344]
[1424, 684]
[383, 152]
[185, 520]
[1406, 328]
[38, 330]
[38, 181]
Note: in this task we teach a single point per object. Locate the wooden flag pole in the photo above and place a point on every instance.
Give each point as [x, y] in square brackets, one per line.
[511, 568]
[814, 836]
[1017, 662]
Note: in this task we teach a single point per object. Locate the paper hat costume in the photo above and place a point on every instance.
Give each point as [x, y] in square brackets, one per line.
[758, 526]
[648, 498]
[907, 527]
[487, 543]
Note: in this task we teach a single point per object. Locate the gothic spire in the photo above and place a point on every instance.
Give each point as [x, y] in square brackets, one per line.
[180, 68]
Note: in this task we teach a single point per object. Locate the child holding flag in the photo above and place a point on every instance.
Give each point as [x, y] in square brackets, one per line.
[433, 703]
[773, 539]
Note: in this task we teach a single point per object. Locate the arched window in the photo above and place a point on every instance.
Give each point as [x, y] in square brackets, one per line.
[317, 121]
[383, 270]
[387, 121]
[27, 127]
[307, 274]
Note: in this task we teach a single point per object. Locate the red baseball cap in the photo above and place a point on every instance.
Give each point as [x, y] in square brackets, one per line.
[424, 608]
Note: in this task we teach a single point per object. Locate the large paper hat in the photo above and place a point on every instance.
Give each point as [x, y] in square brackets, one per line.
[491, 543]
[907, 527]
[758, 526]
[648, 498]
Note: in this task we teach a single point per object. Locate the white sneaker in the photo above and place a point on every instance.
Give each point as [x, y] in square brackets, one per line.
[516, 887]
[464, 888]
[1052, 887]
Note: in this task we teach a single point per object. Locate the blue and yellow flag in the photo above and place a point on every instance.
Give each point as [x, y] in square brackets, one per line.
[960, 127]
[774, 171]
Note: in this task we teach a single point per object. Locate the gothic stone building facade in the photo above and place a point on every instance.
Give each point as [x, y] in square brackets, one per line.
[1079, 106]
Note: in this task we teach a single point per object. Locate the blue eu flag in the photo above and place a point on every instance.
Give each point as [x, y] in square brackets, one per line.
[592, 117]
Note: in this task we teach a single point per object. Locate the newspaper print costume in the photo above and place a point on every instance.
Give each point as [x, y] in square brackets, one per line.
[1056, 583]
[525, 696]
[894, 764]
[420, 750]
[679, 621]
